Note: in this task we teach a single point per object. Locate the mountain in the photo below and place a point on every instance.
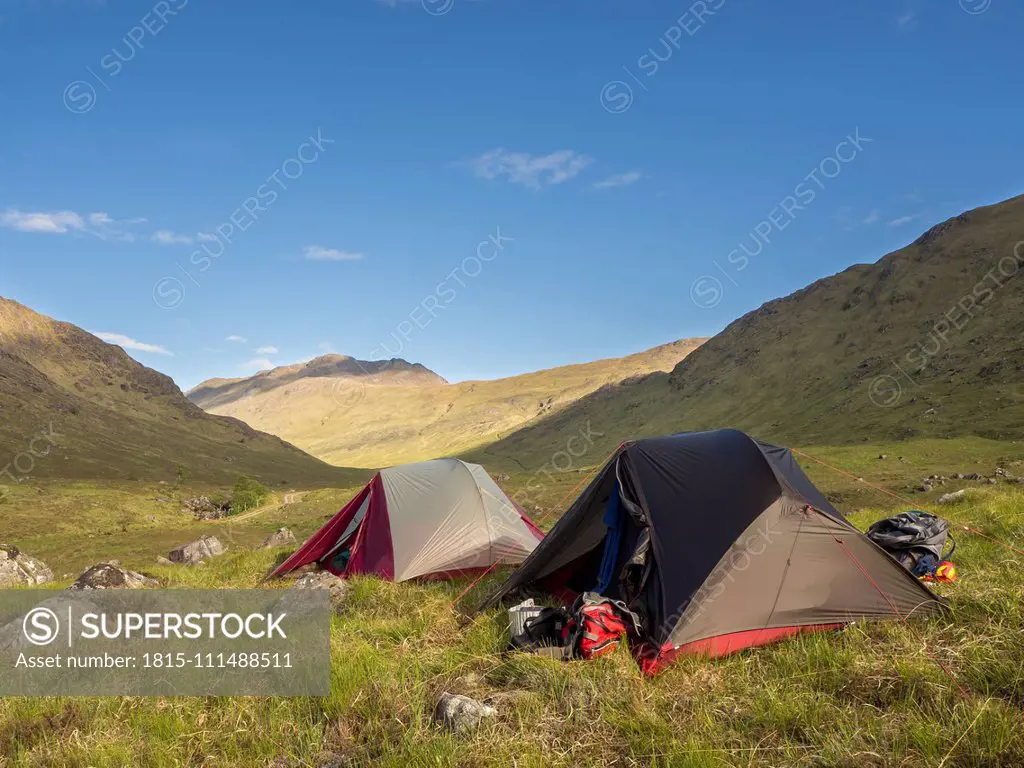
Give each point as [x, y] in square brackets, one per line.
[88, 410]
[927, 341]
[404, 412]
[219, 393]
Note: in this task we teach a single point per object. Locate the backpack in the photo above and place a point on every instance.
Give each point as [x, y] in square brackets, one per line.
[545, 630]
[916, 539]
[598, 625]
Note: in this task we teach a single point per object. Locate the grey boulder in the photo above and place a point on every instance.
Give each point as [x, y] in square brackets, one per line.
[197, 551]
[18, 569]
[336, 588]
[112, 576]
[282, 537]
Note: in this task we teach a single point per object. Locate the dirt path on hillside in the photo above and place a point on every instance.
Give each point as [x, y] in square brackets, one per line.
[289, 498]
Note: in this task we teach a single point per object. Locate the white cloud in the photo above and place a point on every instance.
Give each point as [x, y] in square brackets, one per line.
[97, 224]
[205, 237]
[267, 350]
[127, 342]
[901, 221]
[260, 364]
[907, 18]
[238, 339]
[319, 253]
[56, 222]
[532, 171]
[166, 237]
[873, 217]
[618, 180]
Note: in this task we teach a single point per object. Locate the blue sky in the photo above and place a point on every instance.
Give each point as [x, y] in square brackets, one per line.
[619, 154]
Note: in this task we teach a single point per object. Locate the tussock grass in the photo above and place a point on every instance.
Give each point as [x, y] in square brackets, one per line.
[871, 695]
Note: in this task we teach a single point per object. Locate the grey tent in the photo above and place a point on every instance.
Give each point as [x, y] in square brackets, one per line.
[719, 542]
[432, 519]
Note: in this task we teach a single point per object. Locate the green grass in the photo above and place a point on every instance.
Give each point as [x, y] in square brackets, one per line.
[869, 696]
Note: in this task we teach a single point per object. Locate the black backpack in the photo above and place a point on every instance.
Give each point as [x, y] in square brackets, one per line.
[911, 536]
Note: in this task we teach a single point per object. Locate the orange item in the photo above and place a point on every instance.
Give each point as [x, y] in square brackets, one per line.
[946, 572]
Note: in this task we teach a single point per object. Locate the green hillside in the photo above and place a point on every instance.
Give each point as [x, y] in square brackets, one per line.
[73, 407]
[398, 412]
[926, 342]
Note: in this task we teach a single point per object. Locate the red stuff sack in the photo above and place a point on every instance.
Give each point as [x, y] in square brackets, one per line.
[599, 624]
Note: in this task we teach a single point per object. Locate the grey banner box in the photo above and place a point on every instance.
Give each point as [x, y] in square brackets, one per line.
[164, 643]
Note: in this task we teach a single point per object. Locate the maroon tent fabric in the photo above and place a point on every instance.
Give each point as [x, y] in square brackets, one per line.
[430, 520]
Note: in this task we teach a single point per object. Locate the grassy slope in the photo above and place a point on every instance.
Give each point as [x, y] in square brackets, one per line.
[116, 419]
[802, 369]
[869, 696]
[355, 423]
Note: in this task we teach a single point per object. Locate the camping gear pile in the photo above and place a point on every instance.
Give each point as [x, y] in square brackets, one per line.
[594, 626]
[917, 540]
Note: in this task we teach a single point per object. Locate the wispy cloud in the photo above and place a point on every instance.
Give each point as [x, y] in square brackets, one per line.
[260, 364]
[532, 171]
[167, 237]
[907, 19]
[320, 253]
[900, 221]
[267, 350]
[98, 224]
[872, 217]
[237, 339]
[618, 180]
[127, 342]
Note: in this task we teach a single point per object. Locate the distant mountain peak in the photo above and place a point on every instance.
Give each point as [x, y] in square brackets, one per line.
[215, 393]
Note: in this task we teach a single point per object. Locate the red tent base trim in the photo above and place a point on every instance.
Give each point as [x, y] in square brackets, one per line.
[722, 645]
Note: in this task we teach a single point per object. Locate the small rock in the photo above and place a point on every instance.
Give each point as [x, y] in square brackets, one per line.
[197, 551]
[924, 487]
[161, 560]
[991, 481]
[972, 476]
[337, 588]
[112, 576]
[950, 498]
[282, 537]
[461, 713]
[17, 568]
[502, 477]
[883, 456]
[931, 411]
[162, 500]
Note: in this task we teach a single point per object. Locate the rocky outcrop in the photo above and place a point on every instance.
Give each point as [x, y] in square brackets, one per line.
[197, 551]
[18, 569]
[112, 576]
[205, 508]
